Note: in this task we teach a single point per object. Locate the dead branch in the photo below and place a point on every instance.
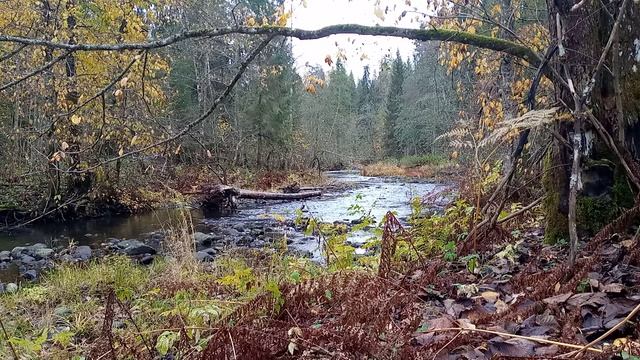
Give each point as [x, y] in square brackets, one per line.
[36, 71]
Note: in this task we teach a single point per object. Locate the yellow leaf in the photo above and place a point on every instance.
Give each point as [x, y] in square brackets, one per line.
[454, 155]
[310, 89]
[123, 81]
[134, 139]
[121, 152]
[283, 19]
[251, 21]
[64, 146]
[379, 13]
[178, 149]
[118, 94]
[75, 119]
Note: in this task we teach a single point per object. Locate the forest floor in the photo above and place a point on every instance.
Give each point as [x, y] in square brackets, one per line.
[513, 297]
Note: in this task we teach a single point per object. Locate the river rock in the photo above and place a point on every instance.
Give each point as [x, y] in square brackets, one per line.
[41, 253]
[30, 275]
[82, 253]
[146, 260]
[26, 259]
[202, 238]
[18, 251]
[135, 247]
[203, 256]
[211, 251]
[1, 288]
[232, 232]
[5, 256]
[10, 288]
[239, 227]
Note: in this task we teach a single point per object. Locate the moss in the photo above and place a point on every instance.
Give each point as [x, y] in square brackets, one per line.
[593, 213]
[556, 227]
[623, 195]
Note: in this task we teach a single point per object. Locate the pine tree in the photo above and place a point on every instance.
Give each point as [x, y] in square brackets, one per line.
[394, 101]
[365, 107]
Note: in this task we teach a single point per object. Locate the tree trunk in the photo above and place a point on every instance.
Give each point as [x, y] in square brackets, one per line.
[582, 31]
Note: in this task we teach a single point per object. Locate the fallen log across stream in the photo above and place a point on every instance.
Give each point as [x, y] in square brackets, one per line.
[224, 196]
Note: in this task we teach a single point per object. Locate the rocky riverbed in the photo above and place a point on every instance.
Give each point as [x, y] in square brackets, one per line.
[255, 225]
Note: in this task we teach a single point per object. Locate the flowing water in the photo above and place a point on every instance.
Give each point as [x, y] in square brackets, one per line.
[375, 195]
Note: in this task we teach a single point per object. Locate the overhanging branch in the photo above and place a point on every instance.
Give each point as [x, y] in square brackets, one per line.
[481, 41]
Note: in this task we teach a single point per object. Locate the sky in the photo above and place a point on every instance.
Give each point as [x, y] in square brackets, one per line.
[359, 50]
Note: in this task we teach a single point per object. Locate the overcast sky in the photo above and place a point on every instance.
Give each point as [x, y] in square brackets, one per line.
[366, 50]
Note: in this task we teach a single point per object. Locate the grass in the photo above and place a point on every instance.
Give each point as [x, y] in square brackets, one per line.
[68, 305]
[418, 166]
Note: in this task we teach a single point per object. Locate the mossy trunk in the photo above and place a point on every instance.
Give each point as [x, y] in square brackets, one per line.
[615, 102]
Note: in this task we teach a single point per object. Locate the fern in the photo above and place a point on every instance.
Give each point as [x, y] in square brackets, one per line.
[529, 120]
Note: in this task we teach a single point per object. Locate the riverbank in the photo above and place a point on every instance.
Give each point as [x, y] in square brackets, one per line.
[434, 168]
[511, 300]
[136, 193]
[255, 224]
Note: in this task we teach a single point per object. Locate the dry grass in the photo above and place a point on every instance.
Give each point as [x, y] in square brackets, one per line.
[435, 171]
[180, 247]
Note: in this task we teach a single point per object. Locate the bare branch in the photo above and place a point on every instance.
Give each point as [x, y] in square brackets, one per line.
[200, 119]
[36, 71]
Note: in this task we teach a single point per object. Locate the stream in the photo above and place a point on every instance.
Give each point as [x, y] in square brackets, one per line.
[254, 224]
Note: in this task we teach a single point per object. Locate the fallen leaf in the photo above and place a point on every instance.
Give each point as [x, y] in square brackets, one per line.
[558, 299]
[501, 306]
[512, 347]
[613, 288]
[490, 296]
[466, 324]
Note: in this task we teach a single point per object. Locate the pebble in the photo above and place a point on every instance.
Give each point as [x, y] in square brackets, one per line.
[10, 288]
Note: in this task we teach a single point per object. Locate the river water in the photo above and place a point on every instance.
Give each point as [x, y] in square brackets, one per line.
[373, 194]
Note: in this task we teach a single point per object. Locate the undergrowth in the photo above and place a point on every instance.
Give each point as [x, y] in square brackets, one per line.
[256, 304]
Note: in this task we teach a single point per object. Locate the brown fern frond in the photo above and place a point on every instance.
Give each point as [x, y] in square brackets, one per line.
[529, 120]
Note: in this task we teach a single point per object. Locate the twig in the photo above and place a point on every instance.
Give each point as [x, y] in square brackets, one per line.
[445, 345]
[524, 209]
[36, 71]
[535, 339]
[233, 347]
[6, 336]
[611, 331]
[128, 312]
[587, 90]
[12, 53]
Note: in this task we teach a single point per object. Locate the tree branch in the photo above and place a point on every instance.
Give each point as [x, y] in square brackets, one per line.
[482, 41]
[36, 71]
[200, 119]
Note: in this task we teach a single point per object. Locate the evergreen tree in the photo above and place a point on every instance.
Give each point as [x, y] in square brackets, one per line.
[365, 106]
[394, 107]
